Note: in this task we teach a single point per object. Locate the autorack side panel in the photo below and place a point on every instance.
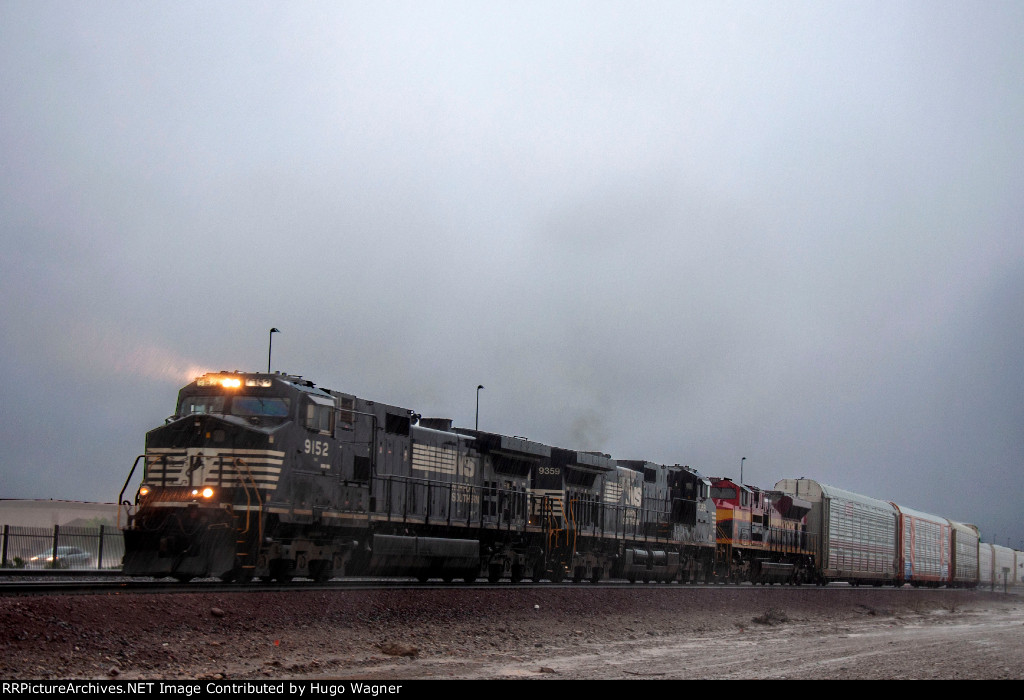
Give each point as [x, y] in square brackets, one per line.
[861, 536]
[1003, 565]
[856, 536]
[964, 552]
[986, 562]
[924, 551]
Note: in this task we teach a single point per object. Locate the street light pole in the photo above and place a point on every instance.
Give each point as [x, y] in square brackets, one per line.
[478, 388]
[744, 459]
[270, 347]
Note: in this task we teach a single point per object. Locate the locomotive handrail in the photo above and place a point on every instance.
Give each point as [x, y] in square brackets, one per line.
[120, 496]
[245, 489]
[240, 462]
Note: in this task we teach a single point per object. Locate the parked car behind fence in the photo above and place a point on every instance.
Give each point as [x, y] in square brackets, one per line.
[75, 547]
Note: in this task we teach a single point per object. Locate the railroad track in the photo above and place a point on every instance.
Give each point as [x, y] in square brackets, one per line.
[57, 585]
[64, 583]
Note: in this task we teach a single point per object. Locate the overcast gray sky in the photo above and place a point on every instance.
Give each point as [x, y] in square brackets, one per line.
[686, 232]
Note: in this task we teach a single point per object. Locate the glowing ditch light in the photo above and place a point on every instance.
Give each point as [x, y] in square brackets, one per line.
[205, 493]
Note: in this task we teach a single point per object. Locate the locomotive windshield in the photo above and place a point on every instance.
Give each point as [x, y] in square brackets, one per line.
[246, 406]
[260, 406]
[723, 492]
[202, 404]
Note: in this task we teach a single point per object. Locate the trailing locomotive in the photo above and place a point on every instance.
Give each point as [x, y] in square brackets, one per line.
[268, 476]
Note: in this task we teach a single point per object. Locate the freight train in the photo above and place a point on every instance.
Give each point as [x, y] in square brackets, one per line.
[268, 476]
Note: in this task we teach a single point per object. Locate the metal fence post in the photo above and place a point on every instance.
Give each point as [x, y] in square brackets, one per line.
[56, 535]
[99, 555]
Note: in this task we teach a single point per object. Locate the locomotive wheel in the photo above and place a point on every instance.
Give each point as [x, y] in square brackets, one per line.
[237, 575]
[558, 574]
[448, 578]
[469, 578]
[517, 573]
[493, 573]
[183, 578]
[320, 570]
[279, 571]
[595, 575]
[577, 574]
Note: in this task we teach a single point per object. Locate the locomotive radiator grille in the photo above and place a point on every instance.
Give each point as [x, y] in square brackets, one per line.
[612, 492]
[554, 501]
[437, 460]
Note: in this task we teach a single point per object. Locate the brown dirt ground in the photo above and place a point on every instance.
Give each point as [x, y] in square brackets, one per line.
[657, 632]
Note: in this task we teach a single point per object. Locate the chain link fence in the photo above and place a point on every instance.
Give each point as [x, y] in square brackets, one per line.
[83, 548]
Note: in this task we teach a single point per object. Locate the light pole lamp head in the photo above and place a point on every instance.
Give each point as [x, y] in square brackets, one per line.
[270, 346]
[476, 425]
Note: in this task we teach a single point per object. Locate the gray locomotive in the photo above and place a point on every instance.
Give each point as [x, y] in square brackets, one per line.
[268, 476]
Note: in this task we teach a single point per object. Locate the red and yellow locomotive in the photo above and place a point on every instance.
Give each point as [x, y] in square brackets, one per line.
[760, 536]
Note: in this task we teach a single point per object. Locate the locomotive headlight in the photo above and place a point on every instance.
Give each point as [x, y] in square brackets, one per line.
[143, 490]
[223, 380]
[207, 492]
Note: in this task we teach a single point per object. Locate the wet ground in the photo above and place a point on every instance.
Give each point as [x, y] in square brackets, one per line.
[655, 632]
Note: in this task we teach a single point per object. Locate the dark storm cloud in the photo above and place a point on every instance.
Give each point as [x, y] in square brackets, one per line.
[683, 232]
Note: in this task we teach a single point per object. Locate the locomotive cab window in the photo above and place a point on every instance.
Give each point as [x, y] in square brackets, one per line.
[320, 415]
[723, 492]
[270, 407]
[201, 404]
